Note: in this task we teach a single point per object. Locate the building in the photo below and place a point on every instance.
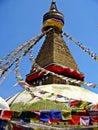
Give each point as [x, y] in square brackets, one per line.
[51, 92]
[54, 54]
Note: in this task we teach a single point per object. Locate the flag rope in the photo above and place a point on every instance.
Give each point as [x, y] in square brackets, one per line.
[91, 54]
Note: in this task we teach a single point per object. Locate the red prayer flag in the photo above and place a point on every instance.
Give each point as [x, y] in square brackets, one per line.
[75, 120]
[6, 114]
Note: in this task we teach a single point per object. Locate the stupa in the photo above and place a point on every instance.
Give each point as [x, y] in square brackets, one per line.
[53, 56]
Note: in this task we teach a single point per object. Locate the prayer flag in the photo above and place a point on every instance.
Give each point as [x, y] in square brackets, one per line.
[55, 115]
[66, 114]
[85, 120]
[75, 120]
[6, 114]
[45, 116]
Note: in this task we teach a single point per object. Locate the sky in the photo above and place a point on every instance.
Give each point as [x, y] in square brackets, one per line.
[21, 20]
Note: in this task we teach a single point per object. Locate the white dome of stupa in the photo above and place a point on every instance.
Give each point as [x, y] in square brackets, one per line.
[3, 104]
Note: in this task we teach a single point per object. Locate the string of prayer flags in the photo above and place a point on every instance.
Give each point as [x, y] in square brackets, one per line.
[6, 75]
[20, 51]
[91, 54]
[16, 54]
[26, 119]
[10, 63]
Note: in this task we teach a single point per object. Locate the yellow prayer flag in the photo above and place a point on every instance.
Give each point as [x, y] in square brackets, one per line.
[34, 120]
[66, 114]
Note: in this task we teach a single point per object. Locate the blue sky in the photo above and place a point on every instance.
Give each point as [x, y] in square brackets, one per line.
[20, 20]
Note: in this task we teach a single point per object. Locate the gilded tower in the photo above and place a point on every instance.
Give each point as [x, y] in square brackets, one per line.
[54, 54]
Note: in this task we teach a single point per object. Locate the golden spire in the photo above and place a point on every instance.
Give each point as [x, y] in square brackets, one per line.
[53, 18]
